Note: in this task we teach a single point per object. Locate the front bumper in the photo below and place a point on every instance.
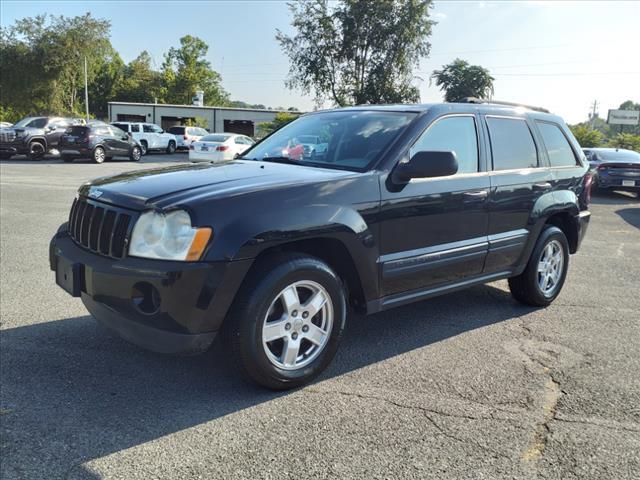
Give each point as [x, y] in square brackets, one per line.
[164, 306]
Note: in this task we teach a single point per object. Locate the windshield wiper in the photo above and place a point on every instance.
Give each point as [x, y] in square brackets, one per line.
[286, 160]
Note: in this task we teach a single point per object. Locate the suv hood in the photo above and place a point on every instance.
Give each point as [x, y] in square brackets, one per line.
[178, 185]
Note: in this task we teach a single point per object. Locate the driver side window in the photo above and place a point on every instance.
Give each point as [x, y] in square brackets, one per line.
[457, 134]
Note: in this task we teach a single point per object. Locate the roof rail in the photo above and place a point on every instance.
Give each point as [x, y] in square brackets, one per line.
[498, 102]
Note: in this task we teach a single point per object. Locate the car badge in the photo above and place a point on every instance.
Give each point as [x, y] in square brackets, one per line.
[95, 193]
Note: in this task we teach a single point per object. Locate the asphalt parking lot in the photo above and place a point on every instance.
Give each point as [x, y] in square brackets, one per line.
[471, 385]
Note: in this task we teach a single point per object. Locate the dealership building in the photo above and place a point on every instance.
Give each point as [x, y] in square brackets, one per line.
[219, 119]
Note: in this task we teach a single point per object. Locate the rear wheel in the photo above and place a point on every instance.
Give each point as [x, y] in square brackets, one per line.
[542, 280]
[143, 147]
[288, 321]
[36, 151]
[98, 155]
[171, 148]
[135, 154]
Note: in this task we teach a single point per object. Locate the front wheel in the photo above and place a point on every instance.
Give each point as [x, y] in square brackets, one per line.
[36, 151]
[546, 271]
[288, 321]
[135, 154]
[171, 148]
[98, 155]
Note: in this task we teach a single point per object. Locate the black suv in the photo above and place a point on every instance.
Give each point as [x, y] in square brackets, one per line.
[33, 136]
[398, 204]
[98, 142]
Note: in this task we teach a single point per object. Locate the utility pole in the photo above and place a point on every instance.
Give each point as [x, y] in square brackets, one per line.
[86, 90]
[594, 111]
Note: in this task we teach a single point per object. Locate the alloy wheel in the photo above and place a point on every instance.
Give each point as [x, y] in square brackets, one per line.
[550, 268]
[297, 325]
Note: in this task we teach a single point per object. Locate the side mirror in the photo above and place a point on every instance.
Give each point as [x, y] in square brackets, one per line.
[427, 165]
[50, 128]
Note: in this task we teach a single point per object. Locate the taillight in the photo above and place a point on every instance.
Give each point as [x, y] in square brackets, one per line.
[191, 147]
[585, 196]
[222, 148]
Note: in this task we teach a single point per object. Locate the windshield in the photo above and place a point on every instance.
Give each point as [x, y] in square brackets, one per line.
[617, 156]
[350, 140]
[32, 122]
[215, 138]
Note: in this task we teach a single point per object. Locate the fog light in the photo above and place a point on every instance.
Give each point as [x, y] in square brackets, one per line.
[145, 298]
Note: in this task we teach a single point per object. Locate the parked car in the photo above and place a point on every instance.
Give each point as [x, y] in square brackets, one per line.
[98, 142]
[614, 168]
[5, 124]
[406, 203]
[312, 145]
[150, 136]
[217, 147]
[32, 136]
[185, 136]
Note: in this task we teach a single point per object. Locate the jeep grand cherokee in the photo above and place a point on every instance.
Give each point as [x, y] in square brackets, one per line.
[405, 202]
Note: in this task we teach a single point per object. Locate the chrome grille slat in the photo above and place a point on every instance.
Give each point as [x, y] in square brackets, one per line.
[99, 227]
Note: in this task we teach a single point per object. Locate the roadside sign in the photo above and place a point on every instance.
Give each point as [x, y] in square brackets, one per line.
[623, 117]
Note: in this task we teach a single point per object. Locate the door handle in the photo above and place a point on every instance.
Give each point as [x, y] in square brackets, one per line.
[478, 194]
[542, 186]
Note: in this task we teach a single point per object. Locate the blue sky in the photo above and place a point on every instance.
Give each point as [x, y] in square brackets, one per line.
[561, 55]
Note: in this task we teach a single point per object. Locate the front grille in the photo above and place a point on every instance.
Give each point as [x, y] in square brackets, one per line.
[99, 228]
[7, 137]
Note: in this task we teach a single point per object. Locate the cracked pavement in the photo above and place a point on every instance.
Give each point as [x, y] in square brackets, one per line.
[471, 385]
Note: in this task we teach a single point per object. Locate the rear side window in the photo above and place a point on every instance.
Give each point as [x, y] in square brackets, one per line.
[558, 148]
[122, 126]
[176, 130]
[512, 145]
[457, 134]
[76, 131]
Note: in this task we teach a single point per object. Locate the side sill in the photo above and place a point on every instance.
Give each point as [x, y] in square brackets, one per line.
[391, 301]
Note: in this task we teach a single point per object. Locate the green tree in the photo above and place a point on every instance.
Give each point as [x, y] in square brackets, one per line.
[626, 140]
[357, 51]
[186, 70]
[281, 120]
[587, 137]
[459, 80]
[140, 82]
[42, 62]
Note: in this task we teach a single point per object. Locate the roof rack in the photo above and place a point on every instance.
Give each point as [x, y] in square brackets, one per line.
[498, 102]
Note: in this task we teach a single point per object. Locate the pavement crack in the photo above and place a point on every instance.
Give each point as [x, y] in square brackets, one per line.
[551, 397]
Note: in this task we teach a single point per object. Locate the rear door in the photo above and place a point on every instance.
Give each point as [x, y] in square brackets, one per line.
[434, 230]
[519, 177]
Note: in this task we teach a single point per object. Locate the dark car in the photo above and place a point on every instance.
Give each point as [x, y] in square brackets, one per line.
[99, 142]
[33, 136]
[614, 168]
[406, 202]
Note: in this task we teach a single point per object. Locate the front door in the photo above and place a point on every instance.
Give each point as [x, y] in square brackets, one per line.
[434, 230]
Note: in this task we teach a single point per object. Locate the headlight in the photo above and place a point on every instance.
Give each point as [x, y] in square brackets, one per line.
[168, 236]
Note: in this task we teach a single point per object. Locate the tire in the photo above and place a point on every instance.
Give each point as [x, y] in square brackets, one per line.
[144, 147]
[526, 287]
[262, 298]
[67, 158]
[135, 154]
[98, 155]
[171, 147]
[36, 151]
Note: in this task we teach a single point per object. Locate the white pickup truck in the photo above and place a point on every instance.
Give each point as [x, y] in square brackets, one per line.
[149, 135]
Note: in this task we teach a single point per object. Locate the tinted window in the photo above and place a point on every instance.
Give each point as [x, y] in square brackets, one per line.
[116, 132]
[176, 130]
[617, 156]
[558, 148]
[37, 123]
[452, 134]
[150, 128]
[512, 145]
[122, 126]
[215, 138]
[102, 131]
[76, 131]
